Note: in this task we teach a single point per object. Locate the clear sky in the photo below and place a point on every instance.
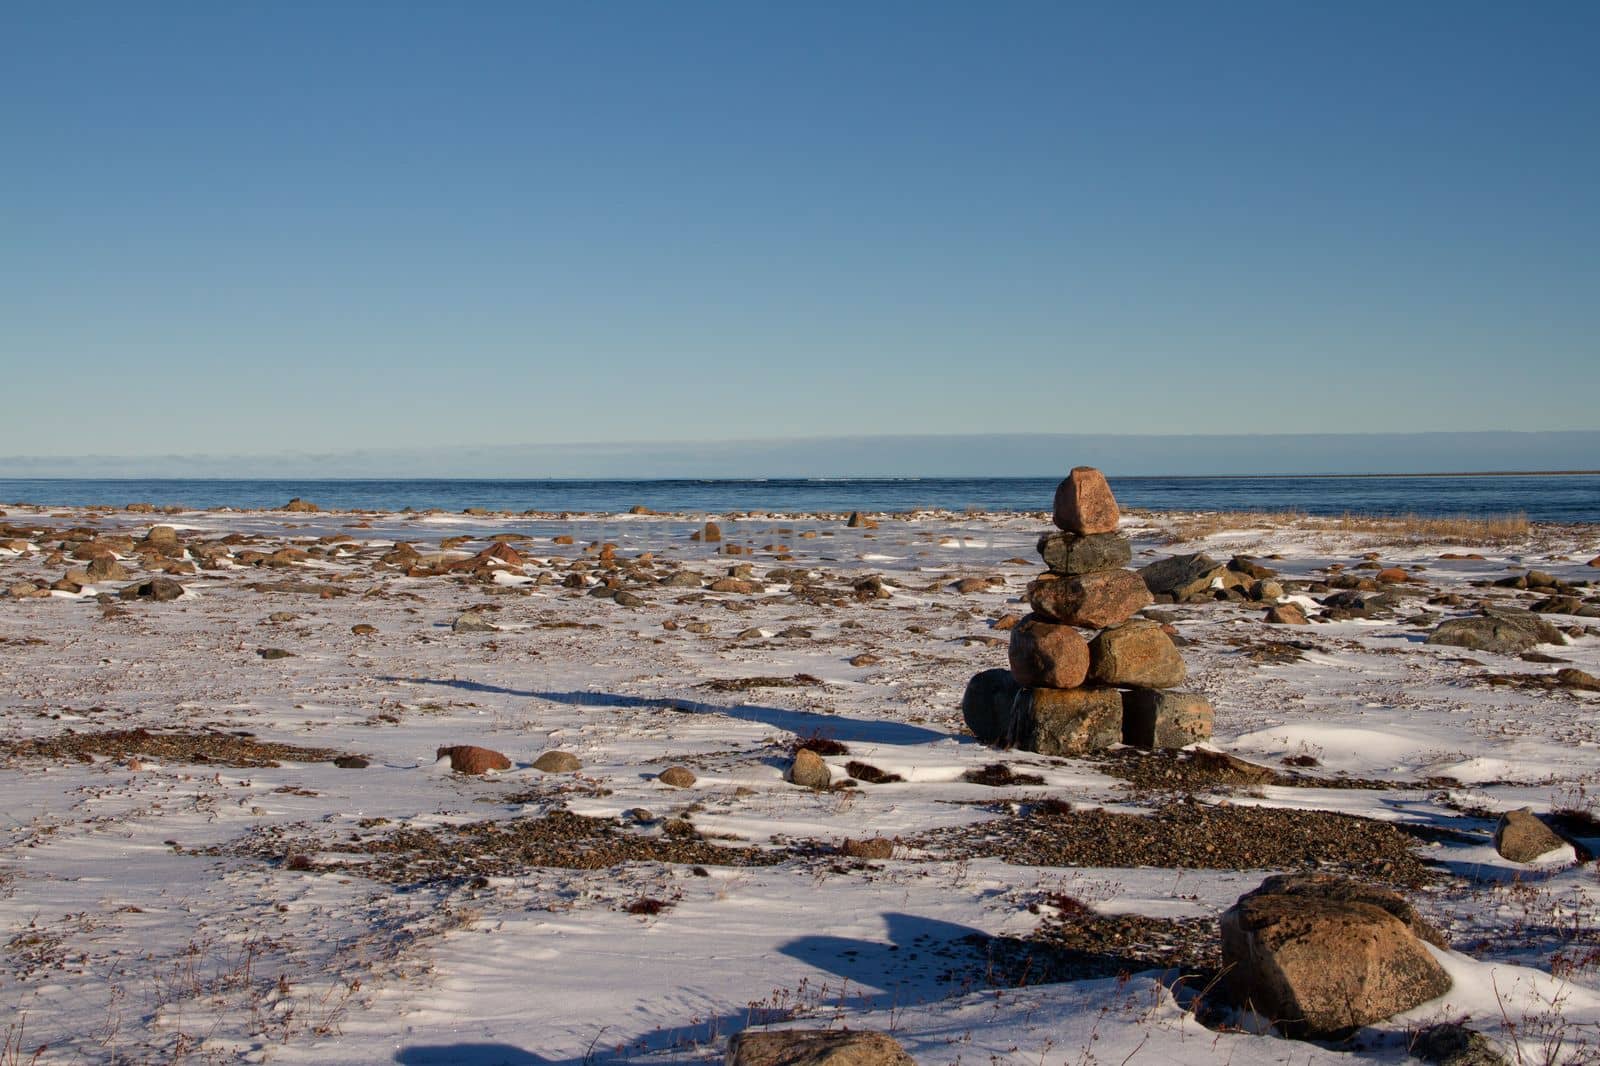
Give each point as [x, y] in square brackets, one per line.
[246, 228]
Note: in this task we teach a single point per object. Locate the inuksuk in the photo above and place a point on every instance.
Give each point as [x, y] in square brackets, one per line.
[1085, 672]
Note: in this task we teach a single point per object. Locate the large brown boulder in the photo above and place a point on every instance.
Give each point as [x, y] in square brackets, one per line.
[1136, 653]
[816, 1047]
[1072, 553]
[986, 705]
[1155, 719]
[1319, 963]
[1521, 837]
[1093, 601]
[1084, 503]
[1047, 654]
[1068, 721]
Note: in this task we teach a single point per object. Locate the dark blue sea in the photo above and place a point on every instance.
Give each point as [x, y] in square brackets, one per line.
[1542, 498]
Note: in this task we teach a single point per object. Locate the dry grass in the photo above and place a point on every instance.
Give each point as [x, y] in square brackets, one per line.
[1406, 528]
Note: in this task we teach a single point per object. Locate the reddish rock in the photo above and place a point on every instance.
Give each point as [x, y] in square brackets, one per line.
[471, 759]
[1138, 652]
[1392, 576]
[502, 553]
[1047, 654]
[1084, 503]
[1287, 614]
[1094, 601]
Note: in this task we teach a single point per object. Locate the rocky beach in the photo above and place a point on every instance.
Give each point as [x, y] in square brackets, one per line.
[1075, 785]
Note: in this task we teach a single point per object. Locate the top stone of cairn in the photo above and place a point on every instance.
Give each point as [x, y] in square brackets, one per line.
[1084, 503]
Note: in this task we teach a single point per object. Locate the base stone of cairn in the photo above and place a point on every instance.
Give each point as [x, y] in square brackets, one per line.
[1068, 691]
[1067, 721]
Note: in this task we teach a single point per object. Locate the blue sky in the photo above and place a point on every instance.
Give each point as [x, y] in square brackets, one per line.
[302, 227]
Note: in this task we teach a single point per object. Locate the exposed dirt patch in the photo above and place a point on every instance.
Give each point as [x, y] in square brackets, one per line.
[1202, 771]
[999, 775]
[745, 684]
[559, 839]
[220, 749]
[1190, 835]
[862, 771]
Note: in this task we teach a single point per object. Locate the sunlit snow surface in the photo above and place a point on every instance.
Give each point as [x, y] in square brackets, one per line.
[117, 945]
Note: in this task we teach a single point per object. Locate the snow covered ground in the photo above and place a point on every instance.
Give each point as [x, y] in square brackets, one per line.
[155, 908]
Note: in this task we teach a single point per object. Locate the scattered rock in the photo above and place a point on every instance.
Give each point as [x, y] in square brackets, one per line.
[677, 777]
[297, 504]
[1453, 1044]
[809, 771]
[1506, 631]
[816, 1047]
[866, 658]
[1320, 964]
[1084, 503]
[1287, 614]
[1048, 655]
[472, 622]
[103, 569]
[471, 759]
[160, 589]
[1521, 837]
[274, 653]
[362, 629]
[1581, 680]
[352, 762]
[1182, 577]
[557, 762]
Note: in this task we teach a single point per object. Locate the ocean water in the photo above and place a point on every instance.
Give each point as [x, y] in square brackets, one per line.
[1543, 498]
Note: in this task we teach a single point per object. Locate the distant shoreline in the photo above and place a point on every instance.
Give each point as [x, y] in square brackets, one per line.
[829, 478]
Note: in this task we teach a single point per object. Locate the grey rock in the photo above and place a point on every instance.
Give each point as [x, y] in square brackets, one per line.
[1506, 631]
[1183, 577]
[1072, 553]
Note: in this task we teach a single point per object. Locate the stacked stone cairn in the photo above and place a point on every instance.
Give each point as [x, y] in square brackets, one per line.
[1085, 672]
